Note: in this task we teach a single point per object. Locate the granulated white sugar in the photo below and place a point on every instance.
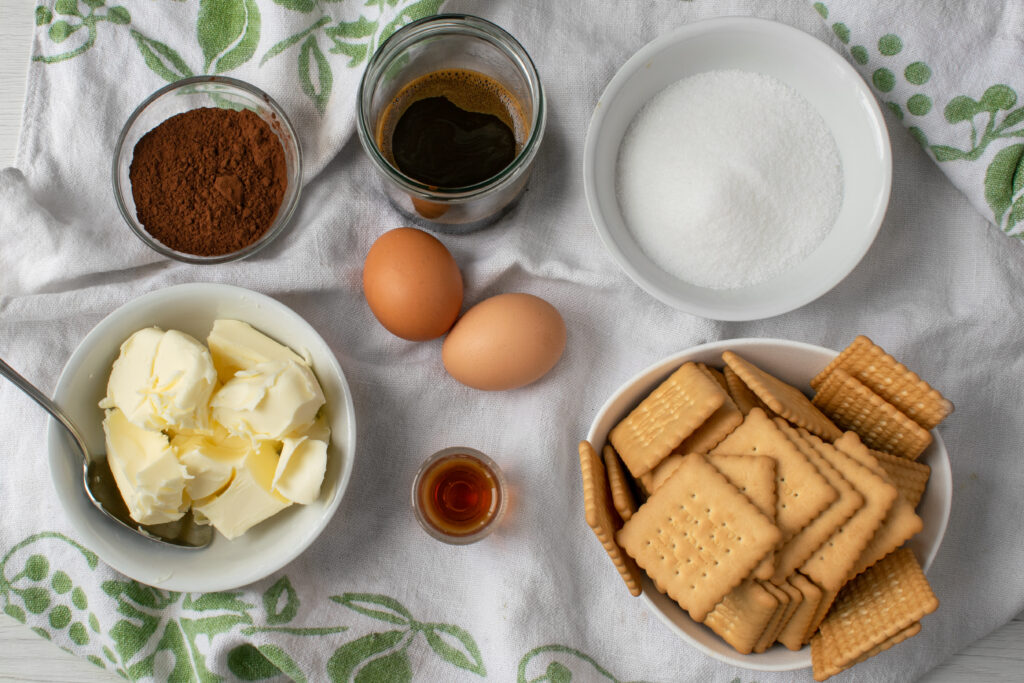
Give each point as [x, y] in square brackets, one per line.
[728, 178]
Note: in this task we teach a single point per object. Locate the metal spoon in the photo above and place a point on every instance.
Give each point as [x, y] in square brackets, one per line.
[101, 487]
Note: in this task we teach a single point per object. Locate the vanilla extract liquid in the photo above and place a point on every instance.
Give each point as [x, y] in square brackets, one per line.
[459, 495]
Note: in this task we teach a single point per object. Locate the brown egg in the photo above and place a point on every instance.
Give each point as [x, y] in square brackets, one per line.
[504, 342]
[412, 284]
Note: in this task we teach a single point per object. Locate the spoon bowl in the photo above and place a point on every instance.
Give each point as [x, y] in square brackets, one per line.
[101, 487]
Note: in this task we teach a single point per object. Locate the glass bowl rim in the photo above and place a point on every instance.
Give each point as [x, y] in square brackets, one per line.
[284, 212]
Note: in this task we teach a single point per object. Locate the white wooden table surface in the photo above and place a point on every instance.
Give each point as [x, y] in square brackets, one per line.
[24, 656]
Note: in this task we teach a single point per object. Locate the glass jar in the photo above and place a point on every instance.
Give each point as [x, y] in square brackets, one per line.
[441, 43]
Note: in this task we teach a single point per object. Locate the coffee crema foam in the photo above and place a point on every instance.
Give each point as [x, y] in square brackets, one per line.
[468, 90]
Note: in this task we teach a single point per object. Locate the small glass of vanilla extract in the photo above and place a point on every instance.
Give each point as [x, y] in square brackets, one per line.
[451, 112]
[458, 495]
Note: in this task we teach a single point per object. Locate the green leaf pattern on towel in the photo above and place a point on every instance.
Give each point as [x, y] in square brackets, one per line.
[73, 29]
[146, 632]
[162, 59]
[356, 40]
[384, 656]
[560, 664]
[229, 34]
[974, 124]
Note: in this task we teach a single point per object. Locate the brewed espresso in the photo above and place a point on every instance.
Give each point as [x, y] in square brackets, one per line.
[452, 128]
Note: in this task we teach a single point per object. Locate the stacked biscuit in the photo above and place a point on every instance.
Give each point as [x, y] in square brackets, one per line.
[762, 518]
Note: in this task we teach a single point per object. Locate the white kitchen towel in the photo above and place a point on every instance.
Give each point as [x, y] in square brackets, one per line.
[374, 597]
[953, 74]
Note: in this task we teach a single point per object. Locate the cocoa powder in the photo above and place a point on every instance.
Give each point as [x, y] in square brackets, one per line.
[208, 181]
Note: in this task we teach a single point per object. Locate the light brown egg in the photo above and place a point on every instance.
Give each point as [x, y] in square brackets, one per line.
[504, 342]
[412, 284]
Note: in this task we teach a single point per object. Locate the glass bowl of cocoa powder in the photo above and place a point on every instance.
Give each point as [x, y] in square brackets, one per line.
[207, 169]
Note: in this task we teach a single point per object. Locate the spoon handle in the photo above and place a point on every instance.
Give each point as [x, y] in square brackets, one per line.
[47, 404]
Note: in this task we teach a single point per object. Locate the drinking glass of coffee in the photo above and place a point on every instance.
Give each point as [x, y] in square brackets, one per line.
[451, 112]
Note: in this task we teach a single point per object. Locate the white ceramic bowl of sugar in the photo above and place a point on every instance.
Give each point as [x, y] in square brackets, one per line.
[795, 363]
[818, 74]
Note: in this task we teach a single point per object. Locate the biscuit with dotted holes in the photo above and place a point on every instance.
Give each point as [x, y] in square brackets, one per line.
[878, 423]
[890, 379]
[784, 399]
[795, 551]
[802, 492]
[879, 606]
[754, 476]
[742, 615]
[622, 497]
[830, 565]
[698, 536]
[792, 634]
[899, 525]
[601, 516]
[669, 414]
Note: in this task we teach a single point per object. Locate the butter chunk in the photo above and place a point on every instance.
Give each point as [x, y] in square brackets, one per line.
[162, 380]
[300, 469]
[269, 401]
[321, 430]
[148, 475]
[249, 499]
[236, 346]
[210, 459]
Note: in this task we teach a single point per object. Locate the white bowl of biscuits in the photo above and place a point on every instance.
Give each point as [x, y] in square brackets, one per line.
[758, 523]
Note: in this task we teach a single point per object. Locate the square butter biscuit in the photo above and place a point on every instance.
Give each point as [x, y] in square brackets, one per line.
[890, 379]
[601, 515]
[900, 524]
[880, 424]
[792, 635]
[802, 492]
[742, 396]
[795, 550]
[698, 537]
[909, 476]
[771, 629]
[754, 476]
[796, 598]
[875, 609]
[830, 565]
[622, 496]
[721, 423]
[743, 615]
[784, 399]
[653, 480]
[669, 414]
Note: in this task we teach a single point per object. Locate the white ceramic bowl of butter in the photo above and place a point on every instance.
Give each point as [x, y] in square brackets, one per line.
[812, 69]
[792, 362]
[263, 549]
